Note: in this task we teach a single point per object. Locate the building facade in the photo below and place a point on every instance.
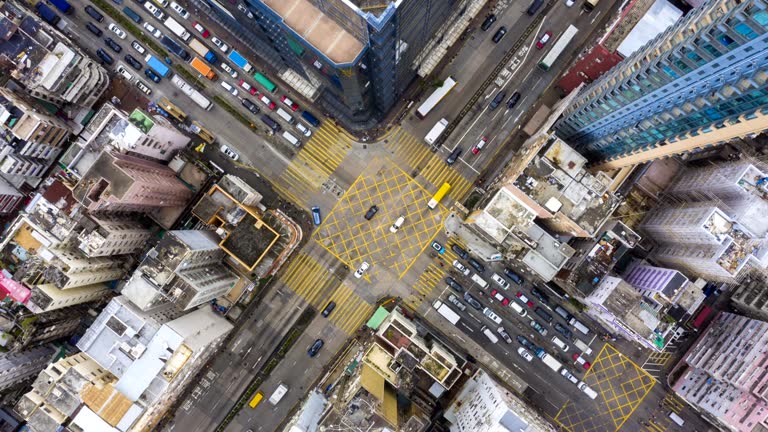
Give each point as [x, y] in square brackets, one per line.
[699, 83]
[726, 374]
[16, 367]
[361, 56]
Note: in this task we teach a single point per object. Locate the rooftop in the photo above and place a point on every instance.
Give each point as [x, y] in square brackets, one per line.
[504, 215]
[601, 256]
[557, 181]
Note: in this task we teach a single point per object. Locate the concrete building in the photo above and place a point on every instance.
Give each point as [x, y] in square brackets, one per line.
[699, 83]
[113, 235]
[16, 367]
[751, 296]
[361, 56]
[47, 64]
[153, 355]
[725, 373]
[185, 269]
[483, 405]
[118, 183]
[656, 283]
[24, 328]
[30, 139]
[10, 197]
[704, 241]
[136, 133]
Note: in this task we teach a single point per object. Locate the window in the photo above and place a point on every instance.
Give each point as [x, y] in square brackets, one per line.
[761, 16]
[744, 30]
[725, 39]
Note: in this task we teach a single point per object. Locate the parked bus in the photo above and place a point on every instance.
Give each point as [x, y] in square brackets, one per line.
[439, 195]
[256, 400]
[589, 5]
[435, 97]
[172, 109]
[266, 83]
[558, 48]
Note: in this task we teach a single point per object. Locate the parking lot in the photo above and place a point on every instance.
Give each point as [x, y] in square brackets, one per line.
[352, 239]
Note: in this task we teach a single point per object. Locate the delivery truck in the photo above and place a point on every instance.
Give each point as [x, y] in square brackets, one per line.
[549, 360]
[63, 6]
[446, 312]
[202, 51]
[240, 61]
[203, 68]
[158, 66]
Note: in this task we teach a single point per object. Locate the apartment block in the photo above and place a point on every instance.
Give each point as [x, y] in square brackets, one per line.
[483, 405]
[185, 268]
[10, 197]
[113, 235]
[46, 63]
[154, 355]
[656, 283]
[704, 241]
[16, 367]
[725, 372]
[751, 296]
[26, 329]
[699, 83]
[118, 182]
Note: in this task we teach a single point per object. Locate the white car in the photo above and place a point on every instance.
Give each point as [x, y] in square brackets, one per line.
[154, 10]
[116, 30]
[124, 72]
[180, 10]
[500, 281]
[219, 44]
[228, 87]
[137, 46]
[363, 267]
[152, 30]
[228, 69]
[143, 87]
[303, 129]
[244, 10]
[229, 152]
[569, 376]
[524, 354]
[569, 3]
[460, 267]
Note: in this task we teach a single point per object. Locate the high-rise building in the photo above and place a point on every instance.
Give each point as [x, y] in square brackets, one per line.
[725, 372]
[361, 55]
[484, 405]
[10, 197]
[700, 83]
[185, 269]
[16, 367]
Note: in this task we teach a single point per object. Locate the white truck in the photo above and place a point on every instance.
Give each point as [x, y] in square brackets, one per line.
[278, 394]
[176, 28]
[584, 348]
[446, 312]
[436, 131]
[549, 360]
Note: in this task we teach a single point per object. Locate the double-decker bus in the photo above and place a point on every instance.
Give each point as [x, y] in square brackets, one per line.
[172, 109]
[265, 82]
[558, 48]
[439, 195]
[435, 98]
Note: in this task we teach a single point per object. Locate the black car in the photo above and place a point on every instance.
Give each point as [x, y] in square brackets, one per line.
[90, 10]
[315, 348]
[499, 34]
[469, 298]
[497, 100]
[113, 45]
[151, 75]
[476, 265]
[132, 62]
[543, 314]
[526, 343]
[513, 100]
[454, 285]
[488, 22]
[454, 156]
[516, 278]
[106, 58]
[250, 106]
[460, 252]
[93, 29]
[329, 308]
[563, 330]
[371, 212]
[536, 292]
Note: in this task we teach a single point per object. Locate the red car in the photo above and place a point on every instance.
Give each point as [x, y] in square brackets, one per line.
[580, 360]
[497, 295]
[476, 149]
[523, 299]
[265, 100]
[544, 39]
[248, 87]
[293, 105]
[201, 29]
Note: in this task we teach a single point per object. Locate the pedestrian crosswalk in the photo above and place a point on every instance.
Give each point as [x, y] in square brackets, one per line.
[317, 286]
[419, 159]
[314, 164]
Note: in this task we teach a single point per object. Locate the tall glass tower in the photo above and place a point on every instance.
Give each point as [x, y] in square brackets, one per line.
[362, 54]
[700, 83]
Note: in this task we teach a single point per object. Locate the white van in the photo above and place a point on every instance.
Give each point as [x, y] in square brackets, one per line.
[489, 334]
[124, 72]
[676, 418]
[493, 317]
[285, 116]
[398, 223]
[589, 392]
[291, 139]
[480, 281]
[519, 309]
[303, 129]
[560, 344]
